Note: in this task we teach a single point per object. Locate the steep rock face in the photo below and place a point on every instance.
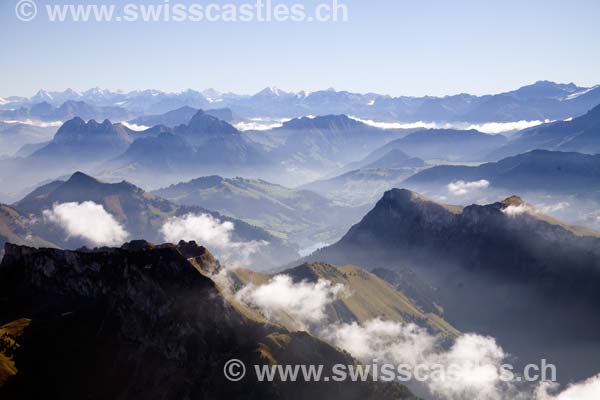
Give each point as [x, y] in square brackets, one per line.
[139, 322]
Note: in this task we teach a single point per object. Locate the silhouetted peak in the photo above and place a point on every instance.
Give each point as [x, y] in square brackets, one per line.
[81, 178]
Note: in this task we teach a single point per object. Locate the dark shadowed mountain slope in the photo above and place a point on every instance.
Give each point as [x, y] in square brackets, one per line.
[581, 134]
[445, 144]
[539, 170]
[143, 322]
[501, 269]
[141, 214]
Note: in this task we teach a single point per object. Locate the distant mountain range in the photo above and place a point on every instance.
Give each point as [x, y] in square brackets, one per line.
[445, 144]
[323, 143]
[551, 172]
[501, 269]
[144, 321]
[45, 111]
[204, 141]
[582, 134]
[540, 101]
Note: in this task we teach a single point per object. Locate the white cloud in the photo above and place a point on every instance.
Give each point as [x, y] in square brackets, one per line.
[31, 122]
[260, 124]
[382, 340]
[212, 233]
[461, 188]
[89, 221]
[304, 301]
[488, 127]
[134, 127]
[472, 366]
[475, 361]
[587, 390]
[515, 210]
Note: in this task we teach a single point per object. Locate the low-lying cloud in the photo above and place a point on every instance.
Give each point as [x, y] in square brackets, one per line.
[39, 124]
[488, 127]
[516, 210]
[586, 390]
[461, 188]
[212, 233]
[134, 127]
[304, 302]
[260, 124]
[88, 221]
[476, 362]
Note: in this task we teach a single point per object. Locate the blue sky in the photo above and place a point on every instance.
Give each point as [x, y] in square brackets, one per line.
[397, 47]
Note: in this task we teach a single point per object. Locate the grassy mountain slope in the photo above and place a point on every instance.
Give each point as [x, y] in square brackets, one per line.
[368, 296]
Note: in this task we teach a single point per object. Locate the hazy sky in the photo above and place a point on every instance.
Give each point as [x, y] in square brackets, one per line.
[388, 46]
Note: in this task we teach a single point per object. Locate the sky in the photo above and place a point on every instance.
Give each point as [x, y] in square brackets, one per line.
[396, 47]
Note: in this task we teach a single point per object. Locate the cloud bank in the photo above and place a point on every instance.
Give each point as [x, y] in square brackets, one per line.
[212, 233]
[587, 390]
[39, 124]
[461, 188]
[476, 362]
[260, 124]
[134, 127]
[88, 221]
[488, 127]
